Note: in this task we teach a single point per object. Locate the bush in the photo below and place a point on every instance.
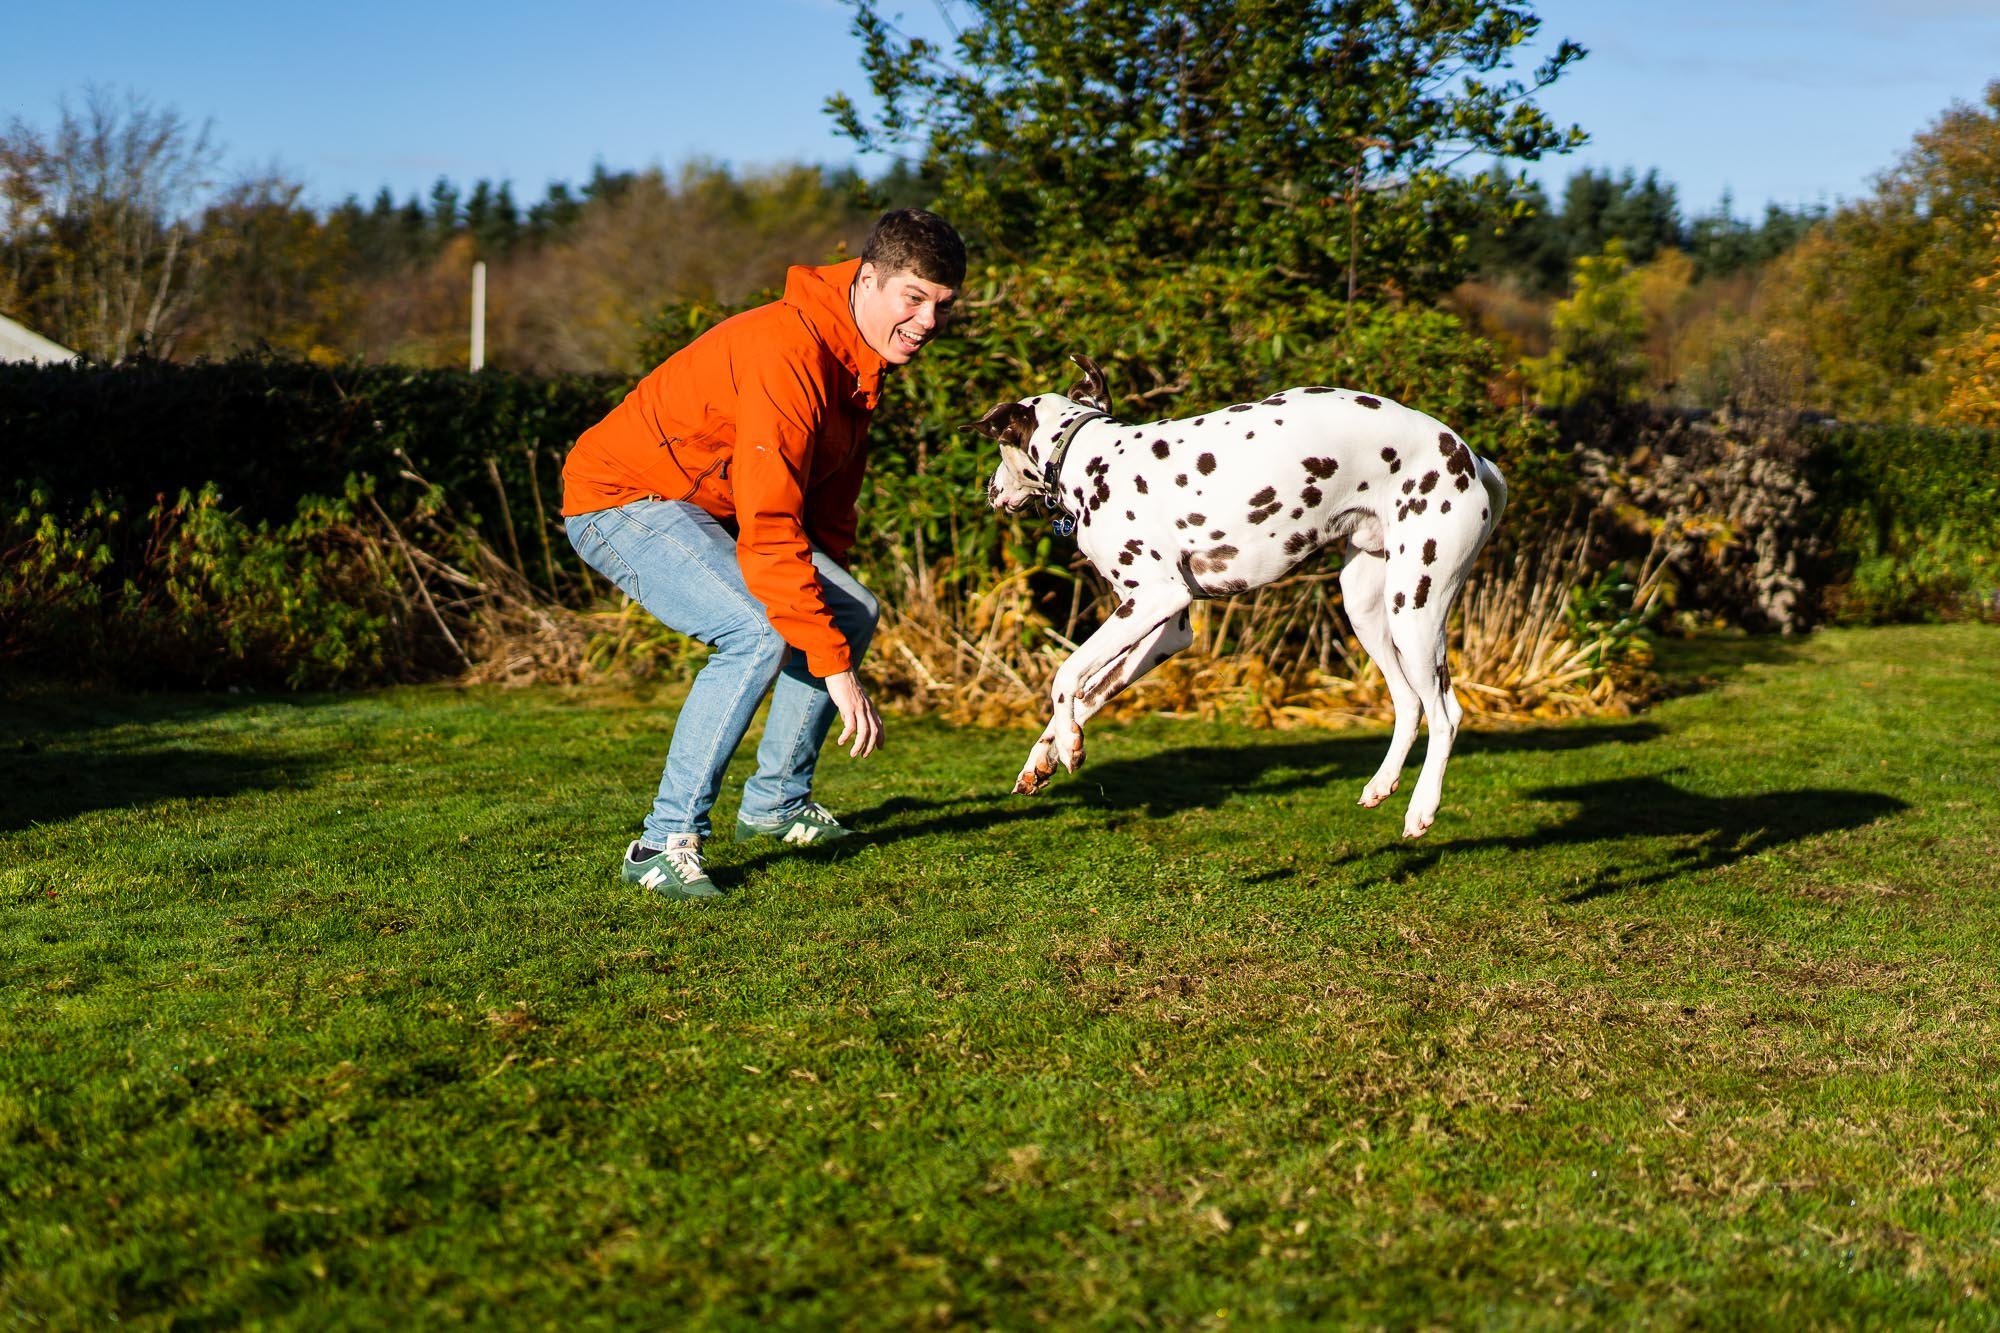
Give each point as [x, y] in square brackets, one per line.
[1913, 517]
[193, 595]
[265, 431]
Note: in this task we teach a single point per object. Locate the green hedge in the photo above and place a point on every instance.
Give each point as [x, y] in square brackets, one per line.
[1912, 520]
[265, 431]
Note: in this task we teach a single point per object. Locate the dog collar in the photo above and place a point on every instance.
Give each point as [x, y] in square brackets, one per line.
[1052, 470]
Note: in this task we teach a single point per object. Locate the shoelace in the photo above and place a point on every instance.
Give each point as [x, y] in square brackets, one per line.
[687, 860]
[814, 810]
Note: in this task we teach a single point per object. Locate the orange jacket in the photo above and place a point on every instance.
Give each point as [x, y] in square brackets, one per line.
[761, 420]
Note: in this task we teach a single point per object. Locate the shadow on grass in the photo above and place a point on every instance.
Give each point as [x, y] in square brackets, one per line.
[38, 787]
[1630, 817]
[1627, 815]
[48, 775]
[1171, 782]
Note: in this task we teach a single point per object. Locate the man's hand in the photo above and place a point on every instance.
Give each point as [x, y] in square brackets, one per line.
[858, 717]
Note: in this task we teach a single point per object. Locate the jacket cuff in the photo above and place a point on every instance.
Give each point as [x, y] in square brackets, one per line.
[829, 661]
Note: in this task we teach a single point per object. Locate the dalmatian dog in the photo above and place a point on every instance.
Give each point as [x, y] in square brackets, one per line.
[1173, 511]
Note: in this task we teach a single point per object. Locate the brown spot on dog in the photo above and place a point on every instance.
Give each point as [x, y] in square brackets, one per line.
[1365, 401]
[1322, 468]
[1430, 551]
[1265, 496]
[1317, 388]
[1311, 496]
[1458, 460]
[1196, 520]
[1409, 485]
[1124, 557]
[1241, 407]
[1399, 603]
[1296, 511]
[1423, 592]
[1275, 400]
[1181, 480]
[1362, 487]
[1444, 506]
[1299, 542]
[1222, 553]
[1205, 464]
[1139, 485]
[1430, 482]
[1261, 515]
[1217, 535]
[1160, 449]
[1125, 607]
[1230, 586]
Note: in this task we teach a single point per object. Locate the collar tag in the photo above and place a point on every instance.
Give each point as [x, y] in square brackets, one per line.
[1064, 525]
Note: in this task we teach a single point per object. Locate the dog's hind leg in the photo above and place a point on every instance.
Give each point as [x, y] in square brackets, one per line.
[1363, 577]
[1417, 624]
[1148, 627]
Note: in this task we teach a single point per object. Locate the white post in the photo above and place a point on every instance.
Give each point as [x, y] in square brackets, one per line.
[479, 315]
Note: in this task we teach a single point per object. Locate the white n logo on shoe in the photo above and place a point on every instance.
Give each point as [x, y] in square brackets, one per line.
[801, 833]
[653, 878]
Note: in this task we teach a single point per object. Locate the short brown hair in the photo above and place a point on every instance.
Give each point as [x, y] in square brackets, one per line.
[910, 240]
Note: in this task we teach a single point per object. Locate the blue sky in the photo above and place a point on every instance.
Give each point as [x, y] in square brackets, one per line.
[1787, 101]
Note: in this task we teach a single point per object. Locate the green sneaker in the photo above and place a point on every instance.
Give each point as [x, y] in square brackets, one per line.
[813, 824]
[673, 873]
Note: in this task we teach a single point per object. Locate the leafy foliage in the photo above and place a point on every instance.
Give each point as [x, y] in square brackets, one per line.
[1598, 361]
[1313, 138]
[1873, 295]
[1915, 521]
[192, 595]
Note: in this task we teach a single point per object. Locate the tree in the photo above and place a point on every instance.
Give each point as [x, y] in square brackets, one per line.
[1598, 358]
[1314, 136]
[102, 249]
[1877, 291]
[276, 276]
[1972, 366]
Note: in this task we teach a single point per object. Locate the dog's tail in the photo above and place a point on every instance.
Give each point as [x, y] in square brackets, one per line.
[1496, 495]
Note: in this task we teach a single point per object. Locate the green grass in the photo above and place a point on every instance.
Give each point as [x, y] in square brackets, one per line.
[331, 1011]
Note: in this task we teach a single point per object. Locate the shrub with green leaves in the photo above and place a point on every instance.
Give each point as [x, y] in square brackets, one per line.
[191, 594]
[1914, 515]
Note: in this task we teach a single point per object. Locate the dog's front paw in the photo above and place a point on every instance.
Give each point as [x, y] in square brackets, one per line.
[1072, 754]
[1377, 792]
[1035, 776]
[1415, 825]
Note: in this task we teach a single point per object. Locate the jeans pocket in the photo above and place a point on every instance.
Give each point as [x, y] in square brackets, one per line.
[597, 551]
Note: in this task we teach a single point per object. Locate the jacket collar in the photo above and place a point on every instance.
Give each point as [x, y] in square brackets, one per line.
[821, 295]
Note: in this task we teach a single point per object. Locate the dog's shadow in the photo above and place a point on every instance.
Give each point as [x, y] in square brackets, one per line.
[1705, 832]
[1711, 832]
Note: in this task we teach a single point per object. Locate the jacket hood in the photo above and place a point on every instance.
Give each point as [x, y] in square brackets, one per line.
[821, 296]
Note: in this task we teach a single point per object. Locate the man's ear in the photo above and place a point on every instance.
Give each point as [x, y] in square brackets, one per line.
[1090, 390]
[1009, 423]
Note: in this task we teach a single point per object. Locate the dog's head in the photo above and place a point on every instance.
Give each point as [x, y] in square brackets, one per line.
[1025, 430]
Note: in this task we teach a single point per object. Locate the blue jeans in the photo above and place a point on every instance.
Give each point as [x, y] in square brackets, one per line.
[677, 561]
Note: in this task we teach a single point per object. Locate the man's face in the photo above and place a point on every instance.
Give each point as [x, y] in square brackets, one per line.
[899, 312]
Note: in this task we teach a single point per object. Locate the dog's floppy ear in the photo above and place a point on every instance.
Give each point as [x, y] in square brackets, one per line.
[1009, 423]
[1089, 390]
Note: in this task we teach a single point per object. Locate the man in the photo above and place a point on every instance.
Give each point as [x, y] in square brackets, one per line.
[720, 496]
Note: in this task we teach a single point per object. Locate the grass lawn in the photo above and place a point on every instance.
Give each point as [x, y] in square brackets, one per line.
[331, 1011]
